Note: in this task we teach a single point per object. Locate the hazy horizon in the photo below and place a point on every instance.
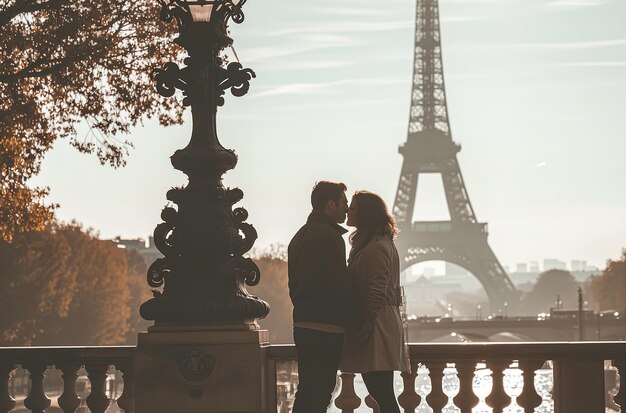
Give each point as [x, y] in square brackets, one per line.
[536, 94]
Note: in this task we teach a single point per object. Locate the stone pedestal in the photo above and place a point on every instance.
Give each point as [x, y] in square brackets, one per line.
[579, 386]
[201, 370]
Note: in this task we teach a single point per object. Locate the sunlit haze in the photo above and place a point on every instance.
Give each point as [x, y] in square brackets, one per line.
[536, 97]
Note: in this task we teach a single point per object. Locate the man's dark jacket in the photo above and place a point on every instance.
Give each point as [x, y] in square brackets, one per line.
[318, 279]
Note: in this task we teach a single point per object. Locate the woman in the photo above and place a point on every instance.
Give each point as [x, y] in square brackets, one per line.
[374, 343]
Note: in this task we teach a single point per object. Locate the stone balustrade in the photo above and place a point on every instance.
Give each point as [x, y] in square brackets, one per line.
[466, 375]
[69, 360]
[457, 373]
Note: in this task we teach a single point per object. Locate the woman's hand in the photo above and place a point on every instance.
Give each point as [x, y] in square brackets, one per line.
[364, 331]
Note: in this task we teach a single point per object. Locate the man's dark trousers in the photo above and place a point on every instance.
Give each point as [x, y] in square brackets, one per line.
[318, 360]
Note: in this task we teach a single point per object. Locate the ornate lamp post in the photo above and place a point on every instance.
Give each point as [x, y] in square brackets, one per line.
[205, 347]
[203, 273]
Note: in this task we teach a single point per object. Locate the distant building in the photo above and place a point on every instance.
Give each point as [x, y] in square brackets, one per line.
[533, 266]
[520, 278]
[582, 276]
[578, 265]
[526, 274]
[452, 269]
[131, 244]
[148, 250]
[553, 264]
[426, 296]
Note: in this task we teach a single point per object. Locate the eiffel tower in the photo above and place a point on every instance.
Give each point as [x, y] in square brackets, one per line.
[430, 149]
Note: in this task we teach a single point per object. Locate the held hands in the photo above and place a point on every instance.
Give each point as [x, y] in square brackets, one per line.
[364, 330]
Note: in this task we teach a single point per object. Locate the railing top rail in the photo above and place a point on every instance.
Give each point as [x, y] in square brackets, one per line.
[50, 355]
[282, 352]
[519, 351]
[33, 348]
[599, 350]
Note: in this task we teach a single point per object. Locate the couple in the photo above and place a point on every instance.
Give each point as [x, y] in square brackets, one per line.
[346, 318]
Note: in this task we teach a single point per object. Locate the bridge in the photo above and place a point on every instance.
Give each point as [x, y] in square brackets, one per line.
[597, 327]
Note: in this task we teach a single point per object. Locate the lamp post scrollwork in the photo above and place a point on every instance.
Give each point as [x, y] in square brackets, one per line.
[203, 273]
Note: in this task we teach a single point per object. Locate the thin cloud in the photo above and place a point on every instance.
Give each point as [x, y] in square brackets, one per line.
[592, 64]
[336, 103]
[474, 2]
[544, 3]
[235, 117]
[354, 12]
[494, 5]
[302, 44]
[322, 88]
[360, 3]
[293, 89]
[573, 45]
[307, 65]
[462, 19]
[575, 3]
[345, 27]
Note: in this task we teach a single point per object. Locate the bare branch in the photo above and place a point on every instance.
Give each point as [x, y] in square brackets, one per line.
[27, 6]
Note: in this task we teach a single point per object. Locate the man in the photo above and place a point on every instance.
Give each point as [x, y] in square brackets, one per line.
[318, 289]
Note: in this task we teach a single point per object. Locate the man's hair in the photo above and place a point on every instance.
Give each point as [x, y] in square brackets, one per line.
[324, 191]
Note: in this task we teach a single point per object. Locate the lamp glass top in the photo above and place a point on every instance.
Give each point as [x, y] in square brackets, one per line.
[201, 10]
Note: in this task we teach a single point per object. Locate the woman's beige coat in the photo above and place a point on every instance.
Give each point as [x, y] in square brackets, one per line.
[375, 339]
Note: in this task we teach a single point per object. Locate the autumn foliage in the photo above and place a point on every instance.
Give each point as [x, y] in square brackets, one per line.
[549, 285]
[69, 63]
[64, 286]
[608, 290]
[274, 289]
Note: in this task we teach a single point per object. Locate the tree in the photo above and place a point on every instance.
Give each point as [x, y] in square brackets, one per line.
[65, 62]
[139, 293]
[274, 289]
[65, 286]
[550, 284]
[36, 284]
[608, 290]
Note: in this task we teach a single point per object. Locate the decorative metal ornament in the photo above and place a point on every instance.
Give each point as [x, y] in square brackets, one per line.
[203, 273]
[196, 365]
[233, 77]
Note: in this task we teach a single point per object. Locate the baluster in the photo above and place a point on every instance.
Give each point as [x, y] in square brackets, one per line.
[127, 400]
[347, 401]
[272, 386]
[620, 397]
[69, 400]
[371, 403]
[409, 399]
[498, 399]
[97, 401]
[37, 401]
[7, 403]
[529, 399]
[466, 399]
[436, 399]
[610, 377]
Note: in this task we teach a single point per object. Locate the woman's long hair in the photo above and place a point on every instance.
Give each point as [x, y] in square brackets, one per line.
[372, 219]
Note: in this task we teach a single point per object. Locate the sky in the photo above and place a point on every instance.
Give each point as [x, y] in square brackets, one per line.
[536, 97]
